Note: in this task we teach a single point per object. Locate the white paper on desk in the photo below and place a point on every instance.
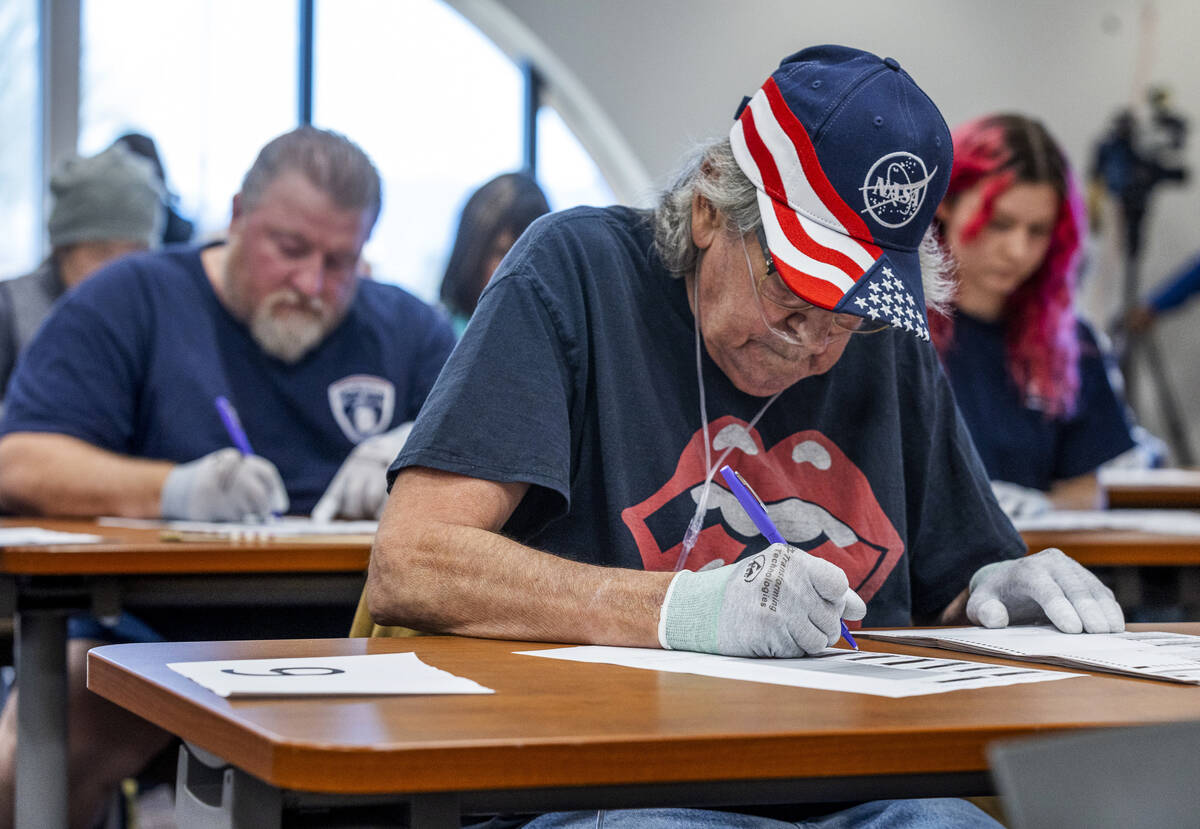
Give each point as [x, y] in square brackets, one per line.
[1162, 521]
[37, 537]
[288, 526]
[1149, 654]
[833, 669]
[1136, 476]
[376, 673]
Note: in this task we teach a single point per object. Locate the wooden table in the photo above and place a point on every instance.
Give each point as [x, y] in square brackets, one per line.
[42, 585]
[1124, 551]
[563, 735]
[1119, 548]
[1151, 496]
[1152, 488]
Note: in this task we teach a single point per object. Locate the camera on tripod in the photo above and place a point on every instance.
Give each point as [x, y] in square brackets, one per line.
[1133, 158]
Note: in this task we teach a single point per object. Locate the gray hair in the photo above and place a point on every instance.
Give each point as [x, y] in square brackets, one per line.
[330, 161]
[711, 171]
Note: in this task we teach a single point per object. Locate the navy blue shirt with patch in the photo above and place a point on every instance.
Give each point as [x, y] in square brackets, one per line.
[577, 375]
[1018, 442]
[132, 360]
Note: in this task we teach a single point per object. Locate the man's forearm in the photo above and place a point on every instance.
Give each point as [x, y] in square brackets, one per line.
[449, 571]
[49, 474]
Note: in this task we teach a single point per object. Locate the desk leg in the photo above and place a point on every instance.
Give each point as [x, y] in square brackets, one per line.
[434, 811]
[41, 774]
[212, 794]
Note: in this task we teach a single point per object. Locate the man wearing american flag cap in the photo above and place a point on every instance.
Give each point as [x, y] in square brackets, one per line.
[769, 314]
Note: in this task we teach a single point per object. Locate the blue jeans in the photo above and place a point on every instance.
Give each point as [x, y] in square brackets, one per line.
[926, 813]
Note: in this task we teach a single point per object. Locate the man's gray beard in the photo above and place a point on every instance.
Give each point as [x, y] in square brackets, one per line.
[287, 339]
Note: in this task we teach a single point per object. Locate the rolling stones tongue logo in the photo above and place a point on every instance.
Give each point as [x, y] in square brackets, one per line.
[820, 501]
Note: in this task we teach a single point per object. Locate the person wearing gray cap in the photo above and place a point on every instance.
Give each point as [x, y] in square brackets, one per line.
[105, 206]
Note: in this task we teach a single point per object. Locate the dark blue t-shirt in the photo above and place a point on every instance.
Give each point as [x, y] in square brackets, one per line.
[1018, 442]
[132, 360]
[577, 375]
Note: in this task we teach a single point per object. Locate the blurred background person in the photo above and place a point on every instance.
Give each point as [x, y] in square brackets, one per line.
[493, 218]
[1176, 290]
[176, 229]
[105, 206]
[1027, 372]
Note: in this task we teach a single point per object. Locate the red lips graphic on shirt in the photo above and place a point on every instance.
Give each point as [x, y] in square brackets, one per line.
[818, 498]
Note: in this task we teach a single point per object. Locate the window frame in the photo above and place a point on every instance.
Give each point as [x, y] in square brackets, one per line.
[59, 44]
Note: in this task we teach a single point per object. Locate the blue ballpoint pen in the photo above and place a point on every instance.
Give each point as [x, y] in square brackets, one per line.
[233, 425]
[754, 507]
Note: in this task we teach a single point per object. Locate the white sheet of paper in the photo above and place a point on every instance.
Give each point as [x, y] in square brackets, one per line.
[376, 673]
[288, 526]
[1152, 654]
[1164, 521]
[36, 536]
[834, 669]
[1118, 476]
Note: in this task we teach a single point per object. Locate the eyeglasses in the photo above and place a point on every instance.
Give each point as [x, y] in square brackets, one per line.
[769, 287]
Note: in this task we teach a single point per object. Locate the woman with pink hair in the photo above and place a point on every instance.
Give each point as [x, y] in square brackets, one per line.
[1027, 373]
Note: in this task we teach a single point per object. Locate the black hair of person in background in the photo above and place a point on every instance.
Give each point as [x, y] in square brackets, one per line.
[175, 228]
[493, 218]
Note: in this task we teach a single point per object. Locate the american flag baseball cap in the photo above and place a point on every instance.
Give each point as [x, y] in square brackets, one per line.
[850, 159]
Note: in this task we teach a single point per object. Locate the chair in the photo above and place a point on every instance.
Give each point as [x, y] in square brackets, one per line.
[364, 626]
[1148, 776]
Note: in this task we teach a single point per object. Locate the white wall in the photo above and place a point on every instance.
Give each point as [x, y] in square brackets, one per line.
[667, 72]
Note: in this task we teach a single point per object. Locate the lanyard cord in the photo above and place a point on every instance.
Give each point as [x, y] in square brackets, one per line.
[694, 526]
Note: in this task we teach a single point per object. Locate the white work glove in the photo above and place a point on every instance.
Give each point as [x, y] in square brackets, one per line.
[359, 489]
[1046, 585]
[224, 486]
[1020, 501]
[781, 602]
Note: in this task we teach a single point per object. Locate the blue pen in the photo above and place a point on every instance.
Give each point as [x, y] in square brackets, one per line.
[754, 507]
[233, 425]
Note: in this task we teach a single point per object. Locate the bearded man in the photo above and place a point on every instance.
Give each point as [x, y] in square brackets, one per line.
[111, 409]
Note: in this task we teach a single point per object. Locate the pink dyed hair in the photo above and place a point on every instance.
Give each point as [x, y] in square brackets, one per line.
[996, 152]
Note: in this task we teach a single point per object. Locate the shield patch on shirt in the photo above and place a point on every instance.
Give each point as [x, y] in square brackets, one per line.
[362, 405]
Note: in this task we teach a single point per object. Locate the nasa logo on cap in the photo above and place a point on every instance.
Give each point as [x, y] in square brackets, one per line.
[895, 188]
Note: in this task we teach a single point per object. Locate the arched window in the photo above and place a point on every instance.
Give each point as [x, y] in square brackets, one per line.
[433, 101]
[210, 82]
[440, 109]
